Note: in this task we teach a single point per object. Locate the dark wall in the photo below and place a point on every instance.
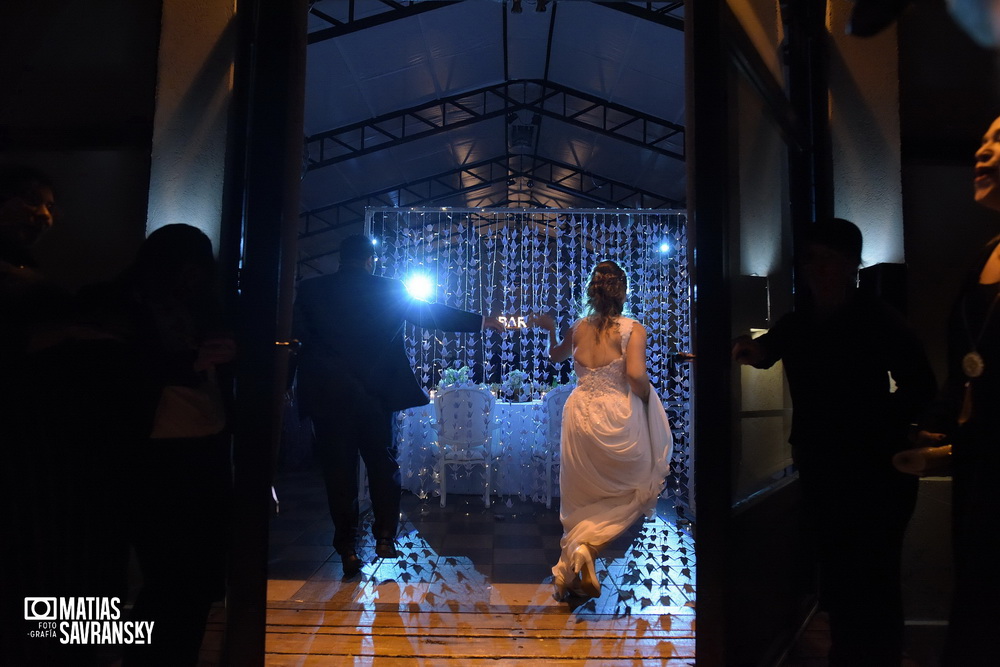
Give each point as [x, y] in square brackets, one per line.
[949, 92]
[78, 82]
[948, 85]
[945, 230]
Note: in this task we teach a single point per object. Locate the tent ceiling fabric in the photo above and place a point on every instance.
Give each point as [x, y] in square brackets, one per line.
[430, 103]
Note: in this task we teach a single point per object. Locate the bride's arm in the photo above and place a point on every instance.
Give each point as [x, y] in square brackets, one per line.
[635, 363]
[558, 350]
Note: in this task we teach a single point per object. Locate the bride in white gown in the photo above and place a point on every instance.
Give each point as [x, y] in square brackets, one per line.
[616, 443]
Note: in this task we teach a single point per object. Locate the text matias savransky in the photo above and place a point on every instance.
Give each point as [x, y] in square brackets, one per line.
[84, 620]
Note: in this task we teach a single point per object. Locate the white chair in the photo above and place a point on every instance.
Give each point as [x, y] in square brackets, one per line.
[547, 455]
[464, 432]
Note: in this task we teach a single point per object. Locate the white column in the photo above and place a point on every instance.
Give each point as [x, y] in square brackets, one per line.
[193, 93]
[865, 133]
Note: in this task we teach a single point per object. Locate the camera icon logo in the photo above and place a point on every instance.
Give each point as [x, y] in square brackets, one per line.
[40, 609]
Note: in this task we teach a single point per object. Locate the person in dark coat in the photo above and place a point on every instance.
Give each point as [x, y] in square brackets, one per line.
[352, 374]
[68, 417]
[858, 379]
[166, 307]
[966, 415]
[32, 306]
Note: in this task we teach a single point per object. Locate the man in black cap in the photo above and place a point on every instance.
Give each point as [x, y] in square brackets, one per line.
[353, 373]
[839, 351]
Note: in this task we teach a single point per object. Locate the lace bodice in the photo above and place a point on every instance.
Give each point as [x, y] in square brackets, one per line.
[610, 378]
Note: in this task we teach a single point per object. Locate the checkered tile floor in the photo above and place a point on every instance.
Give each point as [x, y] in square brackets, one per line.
[470, 556]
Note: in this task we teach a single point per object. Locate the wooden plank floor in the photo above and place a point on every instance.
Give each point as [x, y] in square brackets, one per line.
[472, 586]
[302, 637]
[472, 589]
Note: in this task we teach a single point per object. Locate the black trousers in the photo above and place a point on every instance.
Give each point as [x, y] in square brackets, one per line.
[70, 417]
[855, 521]
[975, 613]
[357, 426]
[180, 512]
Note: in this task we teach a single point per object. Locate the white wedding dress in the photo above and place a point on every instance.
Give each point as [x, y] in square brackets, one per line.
[615, 455]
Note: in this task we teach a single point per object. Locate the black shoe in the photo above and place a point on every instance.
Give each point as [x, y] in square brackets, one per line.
[386, 548]
[352, 564]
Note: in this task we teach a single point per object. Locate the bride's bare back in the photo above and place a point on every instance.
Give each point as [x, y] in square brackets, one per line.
[594, 350]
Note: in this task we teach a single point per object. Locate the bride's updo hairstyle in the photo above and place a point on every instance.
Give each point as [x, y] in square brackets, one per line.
[606, 294]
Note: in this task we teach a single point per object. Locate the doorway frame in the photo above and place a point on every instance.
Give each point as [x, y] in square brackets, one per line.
[717, 45]
[260, 225]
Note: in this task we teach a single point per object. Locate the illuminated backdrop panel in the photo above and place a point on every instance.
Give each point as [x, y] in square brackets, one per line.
[513, 263]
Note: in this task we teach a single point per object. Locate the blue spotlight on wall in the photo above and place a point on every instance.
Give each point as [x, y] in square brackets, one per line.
[419, 287]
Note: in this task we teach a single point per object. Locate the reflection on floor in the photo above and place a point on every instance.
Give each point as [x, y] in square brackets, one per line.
[472, 584]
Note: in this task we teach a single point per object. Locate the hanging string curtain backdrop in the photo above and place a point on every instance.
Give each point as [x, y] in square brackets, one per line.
[514, 263]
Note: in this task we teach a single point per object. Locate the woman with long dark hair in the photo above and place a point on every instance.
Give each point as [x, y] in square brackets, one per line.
[166, 306]
[616, 444]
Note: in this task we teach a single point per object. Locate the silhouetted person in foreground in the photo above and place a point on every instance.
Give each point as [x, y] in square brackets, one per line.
[31, 305]
[967, 415]
[166, 307]
[839, 352]
[68, 416]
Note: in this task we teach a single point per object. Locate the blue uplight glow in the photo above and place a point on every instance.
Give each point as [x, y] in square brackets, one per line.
[419, 287]
[664, 247]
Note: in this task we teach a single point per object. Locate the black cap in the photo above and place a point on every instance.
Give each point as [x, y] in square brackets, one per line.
[836, 233]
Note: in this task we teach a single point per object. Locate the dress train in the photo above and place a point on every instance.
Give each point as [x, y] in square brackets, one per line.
[615, 457]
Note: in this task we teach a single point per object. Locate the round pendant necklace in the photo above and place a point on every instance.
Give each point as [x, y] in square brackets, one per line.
[973, 364]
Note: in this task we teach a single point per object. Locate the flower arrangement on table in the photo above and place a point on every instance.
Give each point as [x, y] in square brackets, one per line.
[516, 387]
[455, 376]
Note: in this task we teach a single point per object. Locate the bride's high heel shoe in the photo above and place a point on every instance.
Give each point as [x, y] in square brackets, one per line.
[583, 563]
[560, 591]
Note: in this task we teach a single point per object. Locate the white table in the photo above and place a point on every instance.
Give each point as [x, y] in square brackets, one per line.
[519, 430]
